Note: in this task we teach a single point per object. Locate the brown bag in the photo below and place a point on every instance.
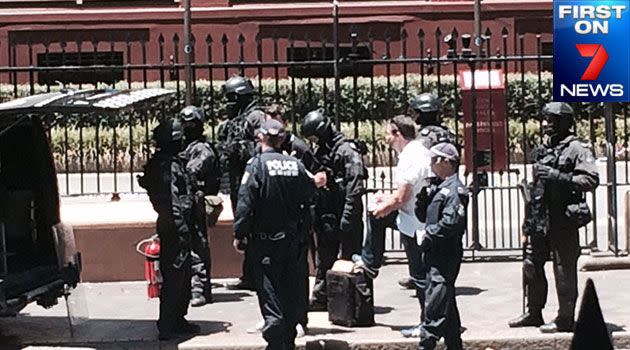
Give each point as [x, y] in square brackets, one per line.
[214, 207]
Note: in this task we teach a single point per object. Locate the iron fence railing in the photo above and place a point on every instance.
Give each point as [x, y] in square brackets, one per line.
[377, 75]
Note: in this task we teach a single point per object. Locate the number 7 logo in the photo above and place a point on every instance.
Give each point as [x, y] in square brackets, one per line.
[600, 57]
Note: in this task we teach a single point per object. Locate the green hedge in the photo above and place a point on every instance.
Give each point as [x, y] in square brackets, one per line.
[524, 97]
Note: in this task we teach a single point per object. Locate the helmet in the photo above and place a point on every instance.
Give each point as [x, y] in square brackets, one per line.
[558, 109]
[192, 113]
[238, 85]
[315, 123]
[427, 107]
[168, 132]
[558, 117]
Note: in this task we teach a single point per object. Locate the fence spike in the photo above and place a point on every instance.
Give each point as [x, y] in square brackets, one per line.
[258, 39]
[403, 34]
[209, 40]
[488, 33]
[161, 39]
[224, 39]
[438, 33]
[420, 34]
[176, 39]
[455, 33]
[504, 32]
[241, 38]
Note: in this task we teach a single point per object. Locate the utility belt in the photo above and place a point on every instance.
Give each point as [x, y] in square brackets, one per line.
[269, 236]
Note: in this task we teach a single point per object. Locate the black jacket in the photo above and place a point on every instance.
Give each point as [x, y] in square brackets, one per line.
[273, 192]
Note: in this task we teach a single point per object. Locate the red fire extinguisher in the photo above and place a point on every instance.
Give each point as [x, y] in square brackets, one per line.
[150, 249]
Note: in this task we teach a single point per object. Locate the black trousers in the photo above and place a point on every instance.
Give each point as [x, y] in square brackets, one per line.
[277, 284]
[175, 290]
[201, 265]
[329, 244]
[303, 288]
[441, 312]
[563, 245]
[373, 252]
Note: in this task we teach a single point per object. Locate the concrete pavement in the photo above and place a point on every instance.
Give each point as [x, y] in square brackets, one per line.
[489, 294]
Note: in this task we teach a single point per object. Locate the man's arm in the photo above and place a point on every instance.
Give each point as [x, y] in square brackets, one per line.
[180, 202]
[247, 195]
[354, 189]
[394, 201]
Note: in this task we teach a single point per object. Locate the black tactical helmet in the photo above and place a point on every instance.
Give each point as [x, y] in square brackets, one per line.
[428, 107]
[558, 109]
[238, 85]
[559, 118]
[315, 123]
[192, 113]
[168, 132]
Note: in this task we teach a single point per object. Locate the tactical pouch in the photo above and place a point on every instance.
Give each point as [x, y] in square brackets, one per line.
[579, 214]
[214, 207]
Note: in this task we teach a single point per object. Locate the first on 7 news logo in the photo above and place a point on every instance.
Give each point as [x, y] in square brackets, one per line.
[591, 51]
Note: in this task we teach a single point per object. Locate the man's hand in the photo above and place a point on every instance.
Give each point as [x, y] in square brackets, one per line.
[320, 179]
[547, 173]
[239, 245]
[379, 212]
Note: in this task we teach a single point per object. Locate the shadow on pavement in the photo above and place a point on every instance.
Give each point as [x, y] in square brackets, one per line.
[381, 310]
[325, 344]
[229, 297]
[469, 291]
[312, 331]
[54, 331]
[614, 328]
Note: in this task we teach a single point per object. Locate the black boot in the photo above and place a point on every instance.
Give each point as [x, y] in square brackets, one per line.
[529, 319]
[557, 325]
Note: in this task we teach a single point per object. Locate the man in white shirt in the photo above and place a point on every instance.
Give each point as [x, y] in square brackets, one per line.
[397, 209]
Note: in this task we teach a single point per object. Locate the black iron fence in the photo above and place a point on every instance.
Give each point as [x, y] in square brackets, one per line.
[376, 75]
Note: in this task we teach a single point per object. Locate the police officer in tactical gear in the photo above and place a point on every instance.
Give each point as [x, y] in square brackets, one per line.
[338, 208]
[238, 143]
[427, 108]
[441, 241]
[296, 147]
[565, 168]
[275, 188]
[169, 190]
[202, 164]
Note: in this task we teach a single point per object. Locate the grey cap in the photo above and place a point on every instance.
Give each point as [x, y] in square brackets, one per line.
[445, 150]
[272, 127]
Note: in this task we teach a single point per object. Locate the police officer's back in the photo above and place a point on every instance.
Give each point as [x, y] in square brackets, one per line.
[274, 190]
[202, 164]
[169, 191]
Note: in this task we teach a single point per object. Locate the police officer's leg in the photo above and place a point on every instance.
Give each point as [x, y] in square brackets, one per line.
[352, 241]
[452, 335]
[566, 251]
[327, 252]
[536, 254]
[535, 273]
[291, 290]
[302, 284]
[373, 250]
[268, 272]
[201, 289]
[174, 295]
[417, 269]
[435, 312]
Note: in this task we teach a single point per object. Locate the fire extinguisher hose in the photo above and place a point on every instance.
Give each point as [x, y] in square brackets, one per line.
[143, 242]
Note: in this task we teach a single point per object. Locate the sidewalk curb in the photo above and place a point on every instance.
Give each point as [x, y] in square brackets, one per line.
[542, 342]
[599, 263]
